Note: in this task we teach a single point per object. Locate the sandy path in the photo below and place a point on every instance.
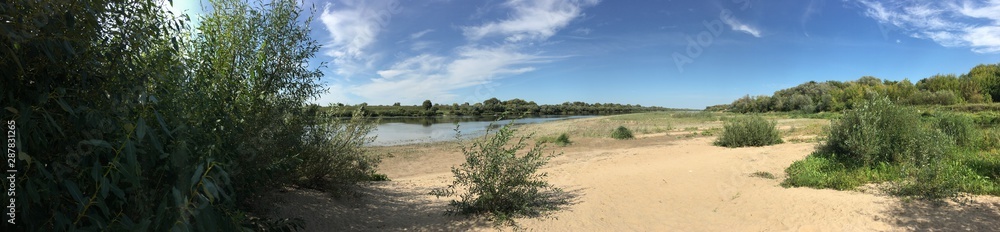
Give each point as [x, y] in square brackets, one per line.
[655, 183]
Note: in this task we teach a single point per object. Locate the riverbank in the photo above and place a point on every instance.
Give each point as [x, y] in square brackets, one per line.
[669, 178]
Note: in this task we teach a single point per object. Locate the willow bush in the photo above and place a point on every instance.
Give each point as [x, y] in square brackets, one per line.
[128, 120]
[499, 180]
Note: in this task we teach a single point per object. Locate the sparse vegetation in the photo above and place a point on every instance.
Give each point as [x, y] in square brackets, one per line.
[762, 174]
[561, 140]
[749, 131]
[621, 133]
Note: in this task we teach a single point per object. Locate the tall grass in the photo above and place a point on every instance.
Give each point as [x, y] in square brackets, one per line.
[749, 131]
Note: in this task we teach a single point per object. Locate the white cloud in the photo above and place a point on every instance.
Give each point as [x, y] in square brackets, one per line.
[973, 24]
[434, 77]
[740, 26]
[472, 64]
[531, 19]
[583, 31]
[353, 27]
[420, 34]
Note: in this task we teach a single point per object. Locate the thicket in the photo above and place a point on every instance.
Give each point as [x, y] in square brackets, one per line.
[129, 120]
[749, 131]
[925, 155]
[980, 85]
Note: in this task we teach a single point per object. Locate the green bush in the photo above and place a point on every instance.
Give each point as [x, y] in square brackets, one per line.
[622, 133]
[499, 182]
[333, 151]
[749, 131]
[563, 140]
[875, 131]
[961, 128]
[879, 141]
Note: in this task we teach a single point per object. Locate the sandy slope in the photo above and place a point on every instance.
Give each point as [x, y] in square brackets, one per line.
[655, 183]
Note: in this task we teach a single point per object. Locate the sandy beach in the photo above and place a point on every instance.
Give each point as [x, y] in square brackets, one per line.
[666, 181]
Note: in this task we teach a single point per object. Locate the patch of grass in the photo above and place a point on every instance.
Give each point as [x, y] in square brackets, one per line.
[378, 177]
[621, 133]
[749, 131]
[693, 128]
[561, 140]
[762, 174]
[825, 171]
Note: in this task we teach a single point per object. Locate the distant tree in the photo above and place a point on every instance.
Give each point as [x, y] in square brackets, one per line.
[427, 104]
[491, 102]
[988, 78]
[396, 104]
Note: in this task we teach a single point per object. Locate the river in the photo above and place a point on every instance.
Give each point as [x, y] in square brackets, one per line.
[401, 131]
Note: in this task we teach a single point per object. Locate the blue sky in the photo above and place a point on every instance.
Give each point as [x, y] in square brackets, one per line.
[683, 54]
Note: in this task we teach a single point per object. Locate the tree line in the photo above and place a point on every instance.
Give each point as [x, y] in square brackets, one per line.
[129, 119]
[980, 85]
[493, 107]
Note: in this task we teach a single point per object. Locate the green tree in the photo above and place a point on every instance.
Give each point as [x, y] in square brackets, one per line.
[427, 105]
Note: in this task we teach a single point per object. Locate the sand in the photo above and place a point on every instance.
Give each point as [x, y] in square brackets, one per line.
[658, 182]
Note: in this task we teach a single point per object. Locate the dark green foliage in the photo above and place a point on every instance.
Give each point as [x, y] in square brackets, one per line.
[378, 177]
[622, 133]
[427, 105]
[128, 124]
[500, 182]
[749, 131]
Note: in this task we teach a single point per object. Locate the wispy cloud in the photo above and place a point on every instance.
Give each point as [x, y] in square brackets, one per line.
[973, 24]
[736, 25]
[353, 27]
[420, 34]
[428, 76]
[438, 77]
[531, 19]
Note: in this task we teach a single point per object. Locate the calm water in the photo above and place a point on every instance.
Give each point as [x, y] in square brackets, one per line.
[399, 131]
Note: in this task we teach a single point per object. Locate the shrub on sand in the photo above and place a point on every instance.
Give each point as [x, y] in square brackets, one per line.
[622, 133]
[749, 131]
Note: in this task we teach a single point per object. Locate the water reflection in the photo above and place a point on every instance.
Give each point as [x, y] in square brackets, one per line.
[399, 131]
